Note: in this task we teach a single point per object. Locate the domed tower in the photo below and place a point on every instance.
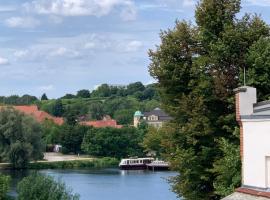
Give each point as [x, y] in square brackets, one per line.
[137, 118]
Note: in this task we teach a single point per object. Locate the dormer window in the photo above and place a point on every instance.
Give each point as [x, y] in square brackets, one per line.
[153, 118]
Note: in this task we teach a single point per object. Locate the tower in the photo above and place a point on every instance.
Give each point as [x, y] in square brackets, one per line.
[137, 118]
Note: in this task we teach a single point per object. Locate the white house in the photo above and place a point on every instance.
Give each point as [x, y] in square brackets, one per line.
[254, 122]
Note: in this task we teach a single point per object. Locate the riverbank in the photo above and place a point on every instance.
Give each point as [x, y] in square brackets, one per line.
[85, 163]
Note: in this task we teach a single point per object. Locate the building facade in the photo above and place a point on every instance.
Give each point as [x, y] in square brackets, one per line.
[156, 118]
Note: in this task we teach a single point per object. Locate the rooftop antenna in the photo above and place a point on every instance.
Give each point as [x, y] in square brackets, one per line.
[244, 76]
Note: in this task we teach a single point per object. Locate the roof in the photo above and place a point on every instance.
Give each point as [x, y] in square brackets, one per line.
[242, 196]
[102, 123]
[247, 193]
[39, 115]
[138, 114]
[160, 113]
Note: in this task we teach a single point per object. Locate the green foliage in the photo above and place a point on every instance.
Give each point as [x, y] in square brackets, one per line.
[228, 168]
[112, 142]
[17, 100]
[197, 67]
[43, 187]
[83, 94]
[105, 162]
[44, 97]
[20, 138]
[71, 137]
[152, 142]
[4, 186]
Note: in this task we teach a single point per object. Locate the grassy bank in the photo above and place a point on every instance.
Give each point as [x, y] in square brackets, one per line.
[74, 164]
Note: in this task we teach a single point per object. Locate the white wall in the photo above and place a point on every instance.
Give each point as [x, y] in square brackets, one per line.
[256, 143]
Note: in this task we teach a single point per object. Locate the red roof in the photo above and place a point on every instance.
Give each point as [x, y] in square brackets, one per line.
[102, 123]
[39, 115]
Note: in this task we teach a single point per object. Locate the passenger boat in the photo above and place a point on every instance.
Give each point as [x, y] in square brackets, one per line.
[158, 165]
[135, 163]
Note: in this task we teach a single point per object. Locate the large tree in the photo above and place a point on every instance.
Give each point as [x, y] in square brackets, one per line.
[20, 138]
[197, 68]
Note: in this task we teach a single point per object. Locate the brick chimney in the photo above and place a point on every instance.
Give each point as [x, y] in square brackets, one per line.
[245, 97]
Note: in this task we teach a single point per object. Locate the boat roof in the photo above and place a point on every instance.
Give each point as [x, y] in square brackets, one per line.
[137, 158]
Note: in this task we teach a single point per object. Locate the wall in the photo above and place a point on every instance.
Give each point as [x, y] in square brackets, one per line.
[256, 146]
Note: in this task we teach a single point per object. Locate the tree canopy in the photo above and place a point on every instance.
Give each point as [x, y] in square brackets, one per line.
[197, 66]
[20, 138]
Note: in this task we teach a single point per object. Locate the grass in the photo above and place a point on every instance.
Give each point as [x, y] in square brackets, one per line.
[74, 164]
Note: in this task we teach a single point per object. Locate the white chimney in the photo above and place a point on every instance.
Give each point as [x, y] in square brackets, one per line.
[245, 98]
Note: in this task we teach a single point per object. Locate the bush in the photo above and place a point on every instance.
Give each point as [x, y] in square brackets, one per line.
[4, 186]
[43, 187]
[76, 164]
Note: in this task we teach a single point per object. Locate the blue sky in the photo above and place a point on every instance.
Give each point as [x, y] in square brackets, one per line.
[61, 46]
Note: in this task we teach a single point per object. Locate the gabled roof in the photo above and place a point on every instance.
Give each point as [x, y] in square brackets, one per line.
[39, 115]
[102, 123]
[160, 113]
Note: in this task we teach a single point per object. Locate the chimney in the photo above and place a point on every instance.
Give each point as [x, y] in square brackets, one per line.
[245, 98]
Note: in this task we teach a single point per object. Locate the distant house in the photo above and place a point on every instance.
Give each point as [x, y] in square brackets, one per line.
[155, 118]
[37, 114]
[106, 122]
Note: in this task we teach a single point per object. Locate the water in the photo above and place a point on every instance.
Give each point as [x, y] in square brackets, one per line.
[110, 184]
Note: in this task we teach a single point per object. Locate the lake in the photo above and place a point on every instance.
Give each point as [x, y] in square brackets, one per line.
[110, 184]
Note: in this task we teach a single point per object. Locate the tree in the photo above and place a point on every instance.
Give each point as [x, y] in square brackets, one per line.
[135, 87]
[197, 68]
[58, 108]
[124, 117]
[20, 138]
[71, 137]
[69, 96]
[83, 94]
[113, 142]
[43, 187]
[44, 97]
[4, 186]
[96, 111]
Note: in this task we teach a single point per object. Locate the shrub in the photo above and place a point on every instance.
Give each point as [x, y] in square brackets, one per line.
[43, 187]
[4, 186]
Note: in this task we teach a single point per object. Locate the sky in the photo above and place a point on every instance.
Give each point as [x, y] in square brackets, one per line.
[62, 46]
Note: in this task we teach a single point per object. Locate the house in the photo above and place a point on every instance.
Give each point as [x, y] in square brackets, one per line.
[106, 122]
[37, 114]
[254, 121]
[154, 118]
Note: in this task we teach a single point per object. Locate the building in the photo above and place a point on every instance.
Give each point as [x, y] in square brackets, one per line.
[37, 114]
[154, 118]
[106, 122]
[254, 121]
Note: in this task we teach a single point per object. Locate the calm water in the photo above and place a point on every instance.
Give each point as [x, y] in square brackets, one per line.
[110, 184]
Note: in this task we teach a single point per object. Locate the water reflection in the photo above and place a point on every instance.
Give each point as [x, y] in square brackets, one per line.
[110, 184]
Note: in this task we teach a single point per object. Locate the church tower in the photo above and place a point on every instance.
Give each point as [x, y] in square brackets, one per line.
[137, 118]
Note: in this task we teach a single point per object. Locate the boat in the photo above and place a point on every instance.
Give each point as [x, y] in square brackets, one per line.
[158, 165]
[135, 163]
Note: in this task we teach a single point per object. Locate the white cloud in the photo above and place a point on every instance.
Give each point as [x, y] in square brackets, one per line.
[3, 61]
[90, 45]
[133, 46]
[187, 3]
[259, 2]
[46, 88]
[21, 53]
[22, 22]
[81, 7]
[62, 51]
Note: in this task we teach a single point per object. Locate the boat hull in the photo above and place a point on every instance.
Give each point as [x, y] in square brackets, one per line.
[158, 168]
[133, 167]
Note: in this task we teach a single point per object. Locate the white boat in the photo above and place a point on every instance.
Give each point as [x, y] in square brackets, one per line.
[135, 163]
[158, 165]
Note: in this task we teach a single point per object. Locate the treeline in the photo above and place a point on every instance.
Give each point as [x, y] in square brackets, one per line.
[119, 102]
[100, 142]
[197, 66]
